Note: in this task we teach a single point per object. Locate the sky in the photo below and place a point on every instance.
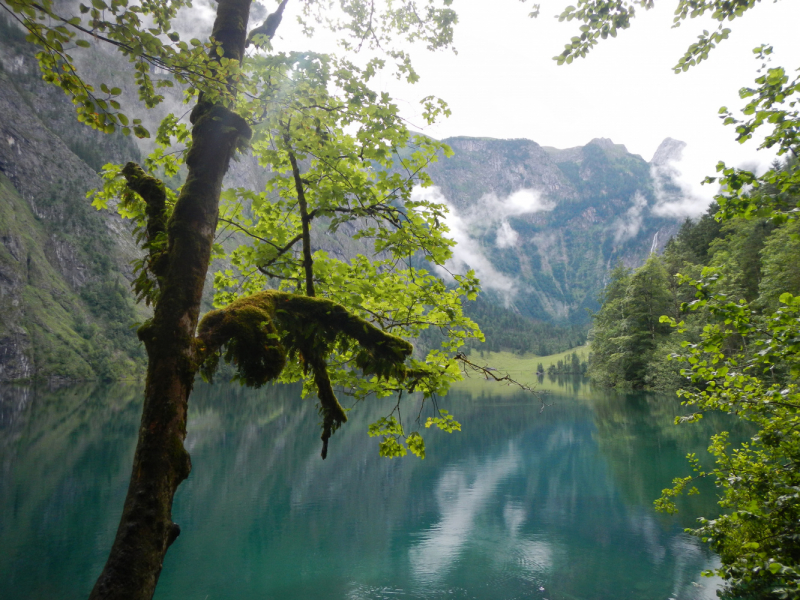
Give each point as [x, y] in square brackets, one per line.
[503, 82]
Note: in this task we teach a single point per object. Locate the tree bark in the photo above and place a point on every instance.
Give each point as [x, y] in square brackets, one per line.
[161, 462]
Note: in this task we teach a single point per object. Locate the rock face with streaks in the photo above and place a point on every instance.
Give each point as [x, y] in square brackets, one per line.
[542, 227]
[65, 305]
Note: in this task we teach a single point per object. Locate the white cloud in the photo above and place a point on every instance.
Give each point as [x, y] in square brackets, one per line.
[490, 208]
[506, 236]
[481, 217]
[524, 202]
[627, 226]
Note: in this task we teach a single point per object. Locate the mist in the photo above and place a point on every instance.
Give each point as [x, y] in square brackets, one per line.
[466, 227]
[677, 173]
[627, 227]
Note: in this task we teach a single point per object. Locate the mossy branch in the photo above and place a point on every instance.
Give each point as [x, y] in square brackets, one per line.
[250, 340]
[154, 194]
[260, 332]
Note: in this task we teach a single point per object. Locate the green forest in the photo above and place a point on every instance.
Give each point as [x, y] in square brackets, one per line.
[751, 261]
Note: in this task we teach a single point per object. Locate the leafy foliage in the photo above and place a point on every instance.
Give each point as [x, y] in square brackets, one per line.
[626, 330]
[604, 18]
[339, 157]
[749, 366]
[395, 441]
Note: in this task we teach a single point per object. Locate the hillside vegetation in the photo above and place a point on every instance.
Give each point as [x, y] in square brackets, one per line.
[66, 309]
[752, 261]
[80, 332]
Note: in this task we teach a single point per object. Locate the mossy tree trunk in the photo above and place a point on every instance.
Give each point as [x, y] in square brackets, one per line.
[161, 463]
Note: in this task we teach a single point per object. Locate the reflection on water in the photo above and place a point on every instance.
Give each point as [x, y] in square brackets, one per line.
[553, 504]
[573, 385]
[462, 495]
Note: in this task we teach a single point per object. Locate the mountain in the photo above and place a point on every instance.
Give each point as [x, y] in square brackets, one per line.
[65, 305]
[542, 227]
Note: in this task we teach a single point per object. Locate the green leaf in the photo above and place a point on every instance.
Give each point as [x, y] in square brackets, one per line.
[416, 445]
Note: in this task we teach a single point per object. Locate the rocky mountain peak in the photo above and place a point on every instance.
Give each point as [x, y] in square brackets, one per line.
[670, 150]
[607, 144]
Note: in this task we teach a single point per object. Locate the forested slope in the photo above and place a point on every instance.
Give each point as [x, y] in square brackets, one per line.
[752, 262]
[65, 307]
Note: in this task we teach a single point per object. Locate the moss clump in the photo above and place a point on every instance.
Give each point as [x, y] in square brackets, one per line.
[258, 333]
[250, 340]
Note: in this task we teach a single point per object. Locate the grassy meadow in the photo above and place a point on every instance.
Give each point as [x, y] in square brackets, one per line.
[521, 368]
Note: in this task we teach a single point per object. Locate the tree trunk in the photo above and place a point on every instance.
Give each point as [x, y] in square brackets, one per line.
[305, 219]
[161, 463]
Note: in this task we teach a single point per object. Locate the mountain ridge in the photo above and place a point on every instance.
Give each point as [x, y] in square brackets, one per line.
[595, 207]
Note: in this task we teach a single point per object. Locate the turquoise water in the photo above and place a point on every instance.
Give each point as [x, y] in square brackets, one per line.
[524, 503]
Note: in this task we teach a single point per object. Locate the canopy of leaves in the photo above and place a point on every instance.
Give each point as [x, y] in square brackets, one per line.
[748, 366]
[339, 159]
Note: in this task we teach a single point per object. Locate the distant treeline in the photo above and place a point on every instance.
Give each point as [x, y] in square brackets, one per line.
[754, 261]
[507, 331]
[572, 366]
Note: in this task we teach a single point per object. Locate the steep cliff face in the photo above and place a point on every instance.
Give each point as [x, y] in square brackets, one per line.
[543, 226]
[65, 306]
[484, 166]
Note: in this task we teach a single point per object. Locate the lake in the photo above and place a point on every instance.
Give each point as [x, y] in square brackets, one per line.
[528, 501]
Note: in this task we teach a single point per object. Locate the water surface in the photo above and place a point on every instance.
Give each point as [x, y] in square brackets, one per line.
[552, 503]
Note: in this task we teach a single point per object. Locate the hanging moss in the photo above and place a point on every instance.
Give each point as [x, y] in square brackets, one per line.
[246, 331]
[258, 333]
